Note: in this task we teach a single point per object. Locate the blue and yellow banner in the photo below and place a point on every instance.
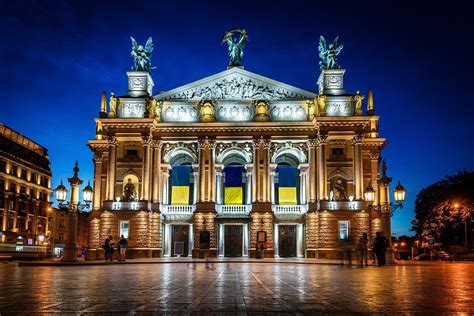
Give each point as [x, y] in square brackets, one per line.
[287, 180]
[180, 185]
[233, 191]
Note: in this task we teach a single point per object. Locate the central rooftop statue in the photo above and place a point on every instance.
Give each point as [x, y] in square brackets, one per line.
[236, 46]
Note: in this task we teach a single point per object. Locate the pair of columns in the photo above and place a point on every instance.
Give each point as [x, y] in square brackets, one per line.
[318, 186]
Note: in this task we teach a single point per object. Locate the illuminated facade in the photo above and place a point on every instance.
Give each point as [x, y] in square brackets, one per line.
[234, 162]
[25, 181]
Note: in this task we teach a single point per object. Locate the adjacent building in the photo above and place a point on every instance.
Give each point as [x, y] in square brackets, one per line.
[237, 162]
[25, 181]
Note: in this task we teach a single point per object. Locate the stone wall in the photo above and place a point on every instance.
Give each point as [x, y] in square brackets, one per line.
[312, 237]
[261, 221]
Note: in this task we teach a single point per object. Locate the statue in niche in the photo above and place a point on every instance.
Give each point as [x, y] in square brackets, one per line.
[153, 109]
[338, 191]
[142, 55]
[129, 192]
[358, 103]
[321, 107]
[112, 105]
[328, 54]
[236, 46]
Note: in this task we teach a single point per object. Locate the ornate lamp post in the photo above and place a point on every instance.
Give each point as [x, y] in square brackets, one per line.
[399, 194]
[72, 207]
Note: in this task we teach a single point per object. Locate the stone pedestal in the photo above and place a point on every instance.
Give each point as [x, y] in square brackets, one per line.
[140, 84]
[331, 81]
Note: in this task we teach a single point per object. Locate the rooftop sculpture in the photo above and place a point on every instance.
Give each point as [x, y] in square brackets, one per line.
[236, 46]
[328, 54]
[142, 55]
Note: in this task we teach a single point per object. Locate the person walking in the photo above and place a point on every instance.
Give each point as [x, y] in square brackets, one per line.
[106, 247]
[111, 248]
[362, 248]
[122, 245]
[380, 246]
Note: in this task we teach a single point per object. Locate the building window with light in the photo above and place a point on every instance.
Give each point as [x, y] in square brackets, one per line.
[61, 239]
[343, 230]
[124, 228]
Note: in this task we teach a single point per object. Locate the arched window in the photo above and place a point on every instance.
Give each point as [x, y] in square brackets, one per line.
[181, 180]
[287, 180]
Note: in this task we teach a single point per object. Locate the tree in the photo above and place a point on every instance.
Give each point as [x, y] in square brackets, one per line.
[442, 208]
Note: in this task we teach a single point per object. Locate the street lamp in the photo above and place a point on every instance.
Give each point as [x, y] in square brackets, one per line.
[399, 193]
[72, 207]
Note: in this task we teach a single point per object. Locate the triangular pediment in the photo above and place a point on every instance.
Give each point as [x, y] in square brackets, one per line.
[236, 84]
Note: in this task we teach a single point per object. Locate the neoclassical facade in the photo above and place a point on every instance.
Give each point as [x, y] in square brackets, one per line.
[235, 162]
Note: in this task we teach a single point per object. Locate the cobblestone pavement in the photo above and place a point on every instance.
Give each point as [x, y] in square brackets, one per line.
[236, 288]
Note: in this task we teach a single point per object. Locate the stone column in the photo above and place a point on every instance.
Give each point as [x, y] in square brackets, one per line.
[322, 168]
[5, 213]
[358, 174]
[312, 176]
[165, 177]
[206, 170]
[98, 158]
[196, 183]
[262, 170]
[272, 183]
[248, 186]
[303, 183]
[146, 166]
[156, 171]
[219, 185]
[111, 167]
[374, 173]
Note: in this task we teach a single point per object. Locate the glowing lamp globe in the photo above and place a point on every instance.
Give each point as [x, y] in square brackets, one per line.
[399, 193]
[60, 192]
[88, 193]
[369, 194]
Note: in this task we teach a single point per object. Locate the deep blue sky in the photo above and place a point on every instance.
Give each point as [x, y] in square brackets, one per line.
[57, 57]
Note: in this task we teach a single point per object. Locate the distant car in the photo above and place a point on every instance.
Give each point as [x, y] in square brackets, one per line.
[437, 255]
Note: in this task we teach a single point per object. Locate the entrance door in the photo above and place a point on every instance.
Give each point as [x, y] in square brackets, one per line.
[179, 240]
[233, 240]
[287, 240]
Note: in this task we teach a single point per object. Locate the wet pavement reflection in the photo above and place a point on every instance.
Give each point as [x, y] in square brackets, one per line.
[236, 288]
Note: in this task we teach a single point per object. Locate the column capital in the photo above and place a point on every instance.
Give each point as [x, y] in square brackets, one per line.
[206, 143]
[157, 144]
[357, 139]
[112, 140]
[147, 140]
[322, 139]
[312, 143]
[98, 157]
[261, 143]
[374, 155]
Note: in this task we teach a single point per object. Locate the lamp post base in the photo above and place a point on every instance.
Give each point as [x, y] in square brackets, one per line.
[69, 254]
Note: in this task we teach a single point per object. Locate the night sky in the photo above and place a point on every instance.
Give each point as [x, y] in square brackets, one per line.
[57, 57]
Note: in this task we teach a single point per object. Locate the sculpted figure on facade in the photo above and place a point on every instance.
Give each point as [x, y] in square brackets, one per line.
[328, 54]
[207, 111]
[141, 55]
[153, 109]
[321, 105]
[129, 192]
[112, 105]
[262, 111]
[236, 46]
[338, 190]
[358, 103]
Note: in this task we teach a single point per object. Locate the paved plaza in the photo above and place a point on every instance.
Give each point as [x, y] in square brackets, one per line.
[236, 288]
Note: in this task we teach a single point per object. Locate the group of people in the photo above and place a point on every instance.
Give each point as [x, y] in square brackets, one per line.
[109, 248]
[379, 248]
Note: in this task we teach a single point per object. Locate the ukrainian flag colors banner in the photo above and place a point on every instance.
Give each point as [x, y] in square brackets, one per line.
[233, 193]
[287, 177]
[180, 185]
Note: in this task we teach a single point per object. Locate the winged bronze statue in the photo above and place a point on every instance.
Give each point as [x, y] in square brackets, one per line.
[328, 54]
[236, 46]
[142, 55]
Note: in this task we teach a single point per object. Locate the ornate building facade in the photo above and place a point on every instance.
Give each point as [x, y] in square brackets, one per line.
[25, 181]
[233, 163]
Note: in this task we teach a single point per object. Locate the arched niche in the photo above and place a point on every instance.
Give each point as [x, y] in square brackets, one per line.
[131, 179]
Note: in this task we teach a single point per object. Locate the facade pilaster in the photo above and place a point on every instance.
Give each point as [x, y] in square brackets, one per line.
[98, 159]
[156, 171]
[111, 167]
[303, 183]
[146, 166]
[206, 170]
[322, 167]
[165, 173]
[374, 173]
[312, 175]
[219, 185]
[248, 185]
[358, 173]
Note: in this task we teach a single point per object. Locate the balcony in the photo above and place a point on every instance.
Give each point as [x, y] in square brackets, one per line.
[233, 211]
[289, 209]
[177, 212]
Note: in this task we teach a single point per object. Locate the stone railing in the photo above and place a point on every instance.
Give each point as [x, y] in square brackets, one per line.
[289, 209]
[177, 209]
[233, 209]
[341, 205]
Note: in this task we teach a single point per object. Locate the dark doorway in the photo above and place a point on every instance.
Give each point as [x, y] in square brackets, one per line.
[233, 241]
[287, 240]
[179, 240]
